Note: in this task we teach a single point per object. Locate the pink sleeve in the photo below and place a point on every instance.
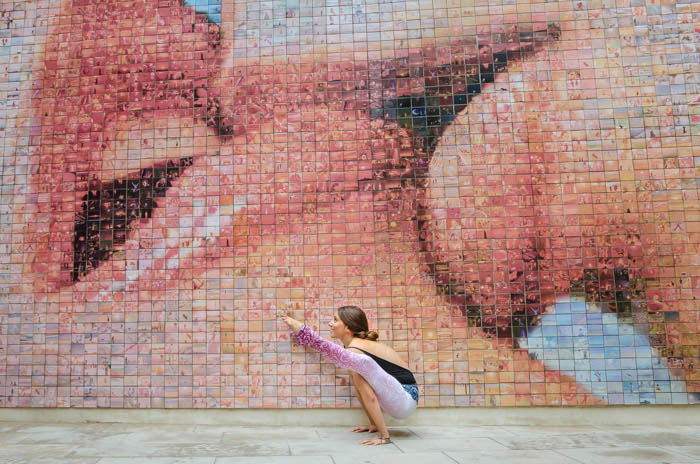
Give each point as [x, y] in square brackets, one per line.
[340, 356]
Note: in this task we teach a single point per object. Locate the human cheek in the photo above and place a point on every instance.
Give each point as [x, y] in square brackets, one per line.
[482, 239]
[112, 121]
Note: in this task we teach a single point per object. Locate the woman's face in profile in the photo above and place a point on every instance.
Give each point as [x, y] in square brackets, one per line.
[338, 327]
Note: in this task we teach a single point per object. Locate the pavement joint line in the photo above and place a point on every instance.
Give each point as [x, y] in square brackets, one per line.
[449, 457]
[417, 434]
[679, 449]
[567, 457]
[500, 443]
[397, 446]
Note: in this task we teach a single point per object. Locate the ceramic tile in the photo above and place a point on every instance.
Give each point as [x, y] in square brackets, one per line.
[508, 190]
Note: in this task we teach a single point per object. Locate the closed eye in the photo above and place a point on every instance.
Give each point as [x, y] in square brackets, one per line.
[109, 208]
[448, 90]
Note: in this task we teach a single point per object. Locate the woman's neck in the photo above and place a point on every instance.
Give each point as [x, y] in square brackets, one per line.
[347, 340]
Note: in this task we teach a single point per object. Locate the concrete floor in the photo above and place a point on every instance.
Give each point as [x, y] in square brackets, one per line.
[112, 443]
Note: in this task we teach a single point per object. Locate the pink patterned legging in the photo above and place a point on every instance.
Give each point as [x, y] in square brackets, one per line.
[393, 399]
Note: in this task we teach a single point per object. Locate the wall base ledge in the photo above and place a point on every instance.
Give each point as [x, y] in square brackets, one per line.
[656, 415]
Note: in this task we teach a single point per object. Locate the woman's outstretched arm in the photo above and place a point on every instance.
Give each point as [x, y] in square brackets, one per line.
[340, 356]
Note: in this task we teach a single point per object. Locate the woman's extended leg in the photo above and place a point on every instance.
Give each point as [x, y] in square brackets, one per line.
[370, 404]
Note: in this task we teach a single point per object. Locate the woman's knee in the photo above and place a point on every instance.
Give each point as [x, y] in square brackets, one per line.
[362, 386]
[358, 381]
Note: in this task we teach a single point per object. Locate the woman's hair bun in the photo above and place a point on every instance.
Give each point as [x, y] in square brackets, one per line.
[356, 321]
[367, 335]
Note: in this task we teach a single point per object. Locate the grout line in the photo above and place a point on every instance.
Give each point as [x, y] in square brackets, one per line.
[679, 451]
[507, 447]
[450, 457]
[398, 447]
[504, 430]
[569, 457]
[415, 433]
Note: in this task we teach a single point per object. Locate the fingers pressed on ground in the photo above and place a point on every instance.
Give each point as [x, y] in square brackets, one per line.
[364, 428]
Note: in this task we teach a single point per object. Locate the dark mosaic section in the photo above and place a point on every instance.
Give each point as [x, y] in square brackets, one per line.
[108, 209]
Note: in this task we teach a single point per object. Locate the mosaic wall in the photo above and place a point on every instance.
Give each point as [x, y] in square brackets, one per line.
[509, 188]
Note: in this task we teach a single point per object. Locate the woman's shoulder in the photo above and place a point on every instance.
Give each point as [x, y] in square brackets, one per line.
[381, 350]
[370, 346]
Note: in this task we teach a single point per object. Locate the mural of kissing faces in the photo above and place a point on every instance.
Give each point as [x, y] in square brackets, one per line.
[508, 191]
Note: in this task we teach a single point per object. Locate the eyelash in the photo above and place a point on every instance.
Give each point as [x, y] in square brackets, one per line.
[108, 209]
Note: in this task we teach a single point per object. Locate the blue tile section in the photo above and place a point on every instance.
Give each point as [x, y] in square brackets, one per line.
[607, 356]
[211, 8]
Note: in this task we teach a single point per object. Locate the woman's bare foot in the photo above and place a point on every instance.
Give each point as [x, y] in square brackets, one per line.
[365, 428]
[377, 441]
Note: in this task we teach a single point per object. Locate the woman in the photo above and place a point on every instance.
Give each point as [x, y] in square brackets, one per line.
[381, 378]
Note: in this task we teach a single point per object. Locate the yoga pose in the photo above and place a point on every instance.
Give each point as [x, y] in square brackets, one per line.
[380, 376]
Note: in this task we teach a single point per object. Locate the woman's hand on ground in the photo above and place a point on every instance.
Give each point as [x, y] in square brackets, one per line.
[377, 441]
[365, 428]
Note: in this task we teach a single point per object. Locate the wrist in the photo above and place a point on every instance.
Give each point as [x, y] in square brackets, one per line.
[299, 328]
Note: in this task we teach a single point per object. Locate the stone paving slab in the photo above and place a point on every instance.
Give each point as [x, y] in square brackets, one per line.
[691, 451]
[509, 457]
[22, 453]
[166, 460]
[277, 460]
[178, 449]
[345, 433]
[4, 428]
[114, 427]
[52, 435]
[47, 460]
[430, 432]
[346, 447]
[525, 431]
[268, 433]
[158, 436]
[625, 455]
[397, 458]
[449, 444]
[599, 439]
[657, 438]
[29, 443]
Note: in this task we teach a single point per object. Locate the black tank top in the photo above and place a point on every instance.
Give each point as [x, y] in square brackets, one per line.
[404, 376]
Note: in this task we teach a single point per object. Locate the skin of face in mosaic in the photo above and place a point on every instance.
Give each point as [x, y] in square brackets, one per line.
[251, 184]
[564, 179]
